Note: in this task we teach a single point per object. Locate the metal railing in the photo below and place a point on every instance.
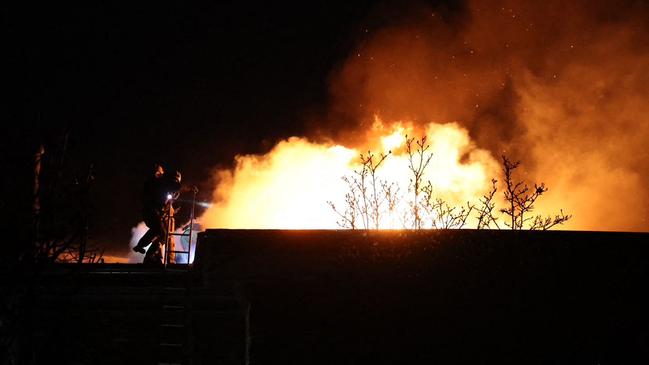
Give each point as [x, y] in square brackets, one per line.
[170, 251]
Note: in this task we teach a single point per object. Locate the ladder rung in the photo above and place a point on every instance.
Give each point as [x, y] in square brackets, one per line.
[172, 325]
[173, 307]
[186, 252]
[180, 234]
[173, 288]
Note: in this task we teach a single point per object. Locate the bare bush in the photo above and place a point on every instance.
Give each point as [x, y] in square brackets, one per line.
[348, 216]
[376, 197]
[391, 192]
[520, 199]
[418, 160]
[486, 208]
[61, 207]
[366, 195]
[441, 214]
[369, 199]
[546, 223]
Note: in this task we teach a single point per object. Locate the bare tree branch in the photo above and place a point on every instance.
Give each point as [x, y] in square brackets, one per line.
[418, 160]
[520, 200]
[485, 211]
[548, 222]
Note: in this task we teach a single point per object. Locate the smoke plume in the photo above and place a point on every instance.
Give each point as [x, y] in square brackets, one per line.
[562, 86]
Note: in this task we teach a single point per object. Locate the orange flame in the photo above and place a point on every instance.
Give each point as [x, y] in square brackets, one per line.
[289, 186]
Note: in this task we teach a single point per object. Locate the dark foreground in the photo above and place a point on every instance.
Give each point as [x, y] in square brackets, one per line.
[454, 297]
[352, 297]
[121, 314]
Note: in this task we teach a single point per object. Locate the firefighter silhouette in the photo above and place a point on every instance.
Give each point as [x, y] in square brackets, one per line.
[159, 193]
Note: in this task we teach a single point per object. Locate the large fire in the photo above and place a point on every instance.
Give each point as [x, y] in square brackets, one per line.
[561, 86]
[289, 187]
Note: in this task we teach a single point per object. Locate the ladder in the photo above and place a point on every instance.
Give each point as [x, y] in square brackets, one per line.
[175, 329]
[170, 246]
[174, 332]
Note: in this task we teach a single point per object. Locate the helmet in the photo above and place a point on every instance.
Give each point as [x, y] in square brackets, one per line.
[158, 170]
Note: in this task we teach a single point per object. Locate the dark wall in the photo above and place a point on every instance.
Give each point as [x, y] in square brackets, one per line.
[437, 297]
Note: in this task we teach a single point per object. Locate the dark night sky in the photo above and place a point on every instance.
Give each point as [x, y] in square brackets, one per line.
[186, 86]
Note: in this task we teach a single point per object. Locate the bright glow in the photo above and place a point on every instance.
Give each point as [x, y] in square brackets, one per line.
[286, 188]
[394, 140]
[289, 187]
